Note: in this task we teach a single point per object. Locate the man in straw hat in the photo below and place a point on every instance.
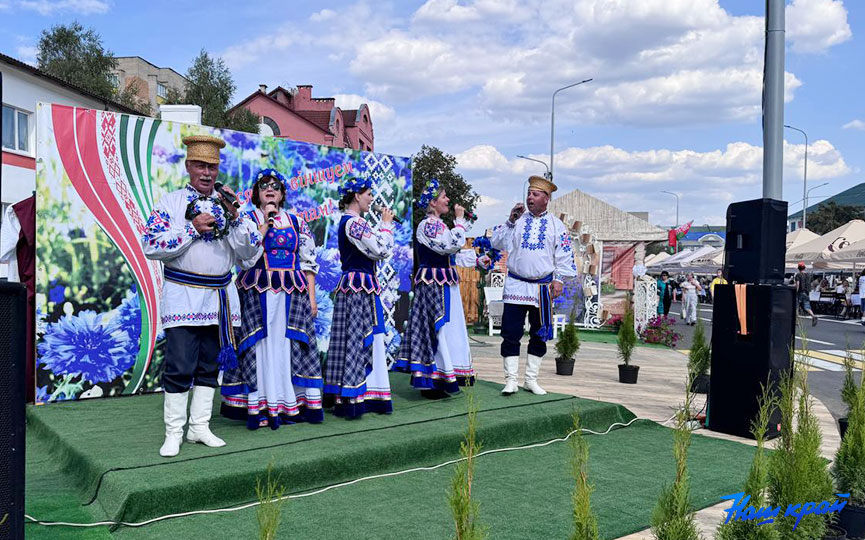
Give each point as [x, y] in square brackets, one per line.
[200, 237]
[539, 257]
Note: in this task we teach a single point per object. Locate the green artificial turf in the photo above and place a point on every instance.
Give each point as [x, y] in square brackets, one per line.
[109, 448]
[523, 494]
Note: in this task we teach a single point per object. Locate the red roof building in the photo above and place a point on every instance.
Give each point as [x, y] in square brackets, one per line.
[296, 115]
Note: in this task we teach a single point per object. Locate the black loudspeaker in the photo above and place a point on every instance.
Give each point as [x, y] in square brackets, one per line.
[741, 363]
[13, 314]
[755, 244]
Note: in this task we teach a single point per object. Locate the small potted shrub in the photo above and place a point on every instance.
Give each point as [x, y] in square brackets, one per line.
[848, 469]
[567, 346]
[626, 343]
[699, 359]
[848, 392]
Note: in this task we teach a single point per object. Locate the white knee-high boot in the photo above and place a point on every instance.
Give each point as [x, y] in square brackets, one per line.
[174, 415]
[533, 367]
[199, 418]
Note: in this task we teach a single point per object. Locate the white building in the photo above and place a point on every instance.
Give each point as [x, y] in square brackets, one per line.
[23, 86]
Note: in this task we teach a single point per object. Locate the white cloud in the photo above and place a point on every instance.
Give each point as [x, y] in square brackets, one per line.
[655, 62]
[27, 54]
[323, 15]
[632, 180]
[51, 7]
[815, 25]
[238, 56]
[381, 113]
[854, 124]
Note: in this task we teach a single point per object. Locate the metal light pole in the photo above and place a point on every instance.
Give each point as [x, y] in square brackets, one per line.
[677, 212]
[548, 175]
[553, 123]
[805, 177]
[773, 102]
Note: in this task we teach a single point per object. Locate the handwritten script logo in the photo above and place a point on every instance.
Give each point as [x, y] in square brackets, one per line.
[740, 512]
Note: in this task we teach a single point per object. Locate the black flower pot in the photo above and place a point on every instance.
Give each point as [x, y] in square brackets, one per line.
[842, 426]
[628, 374]
[852, 520]
[564, 366]
[834, 532]
[700, 384]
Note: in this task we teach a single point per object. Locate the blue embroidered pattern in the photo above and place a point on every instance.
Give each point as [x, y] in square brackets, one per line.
[542, 234]
[433, 228]
[359, 229]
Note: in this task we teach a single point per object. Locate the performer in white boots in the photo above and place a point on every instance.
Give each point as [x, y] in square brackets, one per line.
[539, 256]
[199, 236]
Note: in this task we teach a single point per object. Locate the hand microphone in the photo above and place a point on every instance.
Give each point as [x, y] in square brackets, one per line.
[231, 199]
[377, 208]
[470, 216]
[270, 217]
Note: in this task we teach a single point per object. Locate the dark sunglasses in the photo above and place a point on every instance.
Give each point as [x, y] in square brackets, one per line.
[274, 184]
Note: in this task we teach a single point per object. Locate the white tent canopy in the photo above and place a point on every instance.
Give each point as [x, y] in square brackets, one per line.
[854, 253]
[683, 259]
[820, 249]
[799, 237]
[658, 258]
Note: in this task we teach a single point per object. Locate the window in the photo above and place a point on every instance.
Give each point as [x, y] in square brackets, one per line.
[161, 90]
[115, 80]
[16, 129]
[272, 124]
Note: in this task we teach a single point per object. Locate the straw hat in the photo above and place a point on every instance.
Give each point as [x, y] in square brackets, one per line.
[203, 148]
[542, 184]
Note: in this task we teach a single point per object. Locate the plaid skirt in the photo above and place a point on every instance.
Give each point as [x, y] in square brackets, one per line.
[429, 313]
[299, 328]
[357, 316]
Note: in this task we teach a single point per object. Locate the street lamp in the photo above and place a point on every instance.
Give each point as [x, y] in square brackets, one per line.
[805, 176]
[553, 122]
[547, 174]
[677, 212]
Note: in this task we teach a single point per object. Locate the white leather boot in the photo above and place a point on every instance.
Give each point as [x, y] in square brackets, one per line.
[533, 366]
[199, 418]
[512, 369]
[174, 415]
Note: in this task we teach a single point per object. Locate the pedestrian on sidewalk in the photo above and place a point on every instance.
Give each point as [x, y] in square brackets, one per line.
[690, 287]
[862, 295]
[802, 280]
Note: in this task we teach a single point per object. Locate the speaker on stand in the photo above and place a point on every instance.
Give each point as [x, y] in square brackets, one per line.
[13, 309]
[742, 361]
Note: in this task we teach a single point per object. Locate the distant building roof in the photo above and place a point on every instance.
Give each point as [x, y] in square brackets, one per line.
[855, 196]
[606, 221]
[39, 73]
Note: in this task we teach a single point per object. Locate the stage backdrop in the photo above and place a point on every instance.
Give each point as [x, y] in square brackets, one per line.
[98, 175]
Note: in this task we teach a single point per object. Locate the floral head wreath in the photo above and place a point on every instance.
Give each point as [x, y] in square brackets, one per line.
[273, 173]
[430, 192]
[354, 184]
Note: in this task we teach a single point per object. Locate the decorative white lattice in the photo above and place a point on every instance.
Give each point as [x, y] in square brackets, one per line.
[380, 171]
[497, 279]
[645, 301]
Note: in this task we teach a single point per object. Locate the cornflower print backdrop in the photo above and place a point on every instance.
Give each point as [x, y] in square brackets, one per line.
[98, 175]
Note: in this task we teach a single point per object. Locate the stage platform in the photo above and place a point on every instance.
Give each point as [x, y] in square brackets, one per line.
[98, 460]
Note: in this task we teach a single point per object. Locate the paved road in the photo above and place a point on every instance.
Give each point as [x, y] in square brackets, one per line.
[827, 343]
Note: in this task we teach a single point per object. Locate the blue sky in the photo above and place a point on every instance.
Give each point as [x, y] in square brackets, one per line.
[674, 105]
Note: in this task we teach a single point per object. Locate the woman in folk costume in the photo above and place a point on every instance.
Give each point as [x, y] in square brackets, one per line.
[278, 379]
[435, 348]
[356, 372]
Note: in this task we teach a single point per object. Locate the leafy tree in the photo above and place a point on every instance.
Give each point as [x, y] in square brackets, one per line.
[130, 97]
[431, 162]
[77, 56]
[211, 87]
[830, 216]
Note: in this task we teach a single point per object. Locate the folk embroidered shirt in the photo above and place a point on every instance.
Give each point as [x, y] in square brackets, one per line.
[170, 237]
[537, 246]
[434, 234]
[376, 244]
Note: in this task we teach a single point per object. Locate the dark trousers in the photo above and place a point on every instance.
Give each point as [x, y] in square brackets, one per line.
[513, 320]
[191, 354]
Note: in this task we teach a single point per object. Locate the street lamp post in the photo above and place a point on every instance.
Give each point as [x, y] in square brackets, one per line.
[553, 123]
[548, 175]
[805, 176]
[677, 212]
